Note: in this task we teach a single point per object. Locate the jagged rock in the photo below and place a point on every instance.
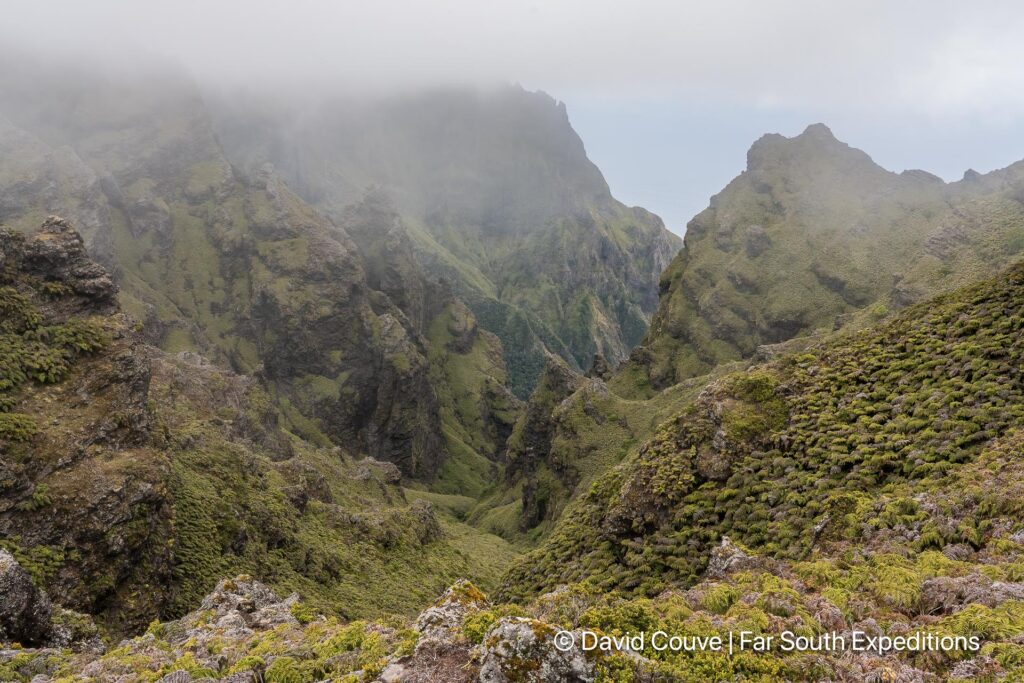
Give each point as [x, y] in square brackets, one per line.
[428, 528]
[600, 368]
[76, 631]
[521, 649]
[388, 472]
[530, 443]
[242, 603]
[25, 611]
[57, 254]
[392, 673]
[443, 621]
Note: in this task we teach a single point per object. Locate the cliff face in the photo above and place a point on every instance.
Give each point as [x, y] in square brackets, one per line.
[132, 479]
[84, 494]
[234, 266]
[812, 236]
[501, 201]
[425, 205]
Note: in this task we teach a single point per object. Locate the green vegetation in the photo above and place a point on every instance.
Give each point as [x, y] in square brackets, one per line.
[307, 524]
[566, 445]
[179, 473]
[793, 454]
[325, 649]
[814, 235]
[31, 351]
[477, 410]
[870, 477]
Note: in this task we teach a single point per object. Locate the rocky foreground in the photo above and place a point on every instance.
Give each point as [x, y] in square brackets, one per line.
[243, 632]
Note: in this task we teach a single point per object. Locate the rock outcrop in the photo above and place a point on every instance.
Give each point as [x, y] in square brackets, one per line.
[25, 611]
[79, 475]
[243, 631]
[522, 649]
[812, 235]
[530, 442]
[131, 480]
[57, 254]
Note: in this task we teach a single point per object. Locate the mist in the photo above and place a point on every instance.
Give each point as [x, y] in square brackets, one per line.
[666, 96]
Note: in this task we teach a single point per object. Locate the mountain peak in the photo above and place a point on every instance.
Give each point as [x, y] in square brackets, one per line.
[819, 131]
[815, 145]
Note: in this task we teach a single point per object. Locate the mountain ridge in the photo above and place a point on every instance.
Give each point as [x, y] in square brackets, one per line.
[500, 199]
[815, 235]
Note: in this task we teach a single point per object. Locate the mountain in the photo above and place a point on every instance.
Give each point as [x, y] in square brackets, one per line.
[301, 355]
[132, 479]
[828, 221]
[897, 439]
[860, 499]
[237, 267]
[814, 235]
[501, 230]
[500, 199]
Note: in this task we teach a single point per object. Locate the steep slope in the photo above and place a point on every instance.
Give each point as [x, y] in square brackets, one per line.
[239, 268]
[810, 234]
[501, 201]
[895, 440]
[132, 480]
[573, 430]
[466, 365]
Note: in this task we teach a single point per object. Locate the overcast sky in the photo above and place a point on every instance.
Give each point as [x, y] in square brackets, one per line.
[667, 95]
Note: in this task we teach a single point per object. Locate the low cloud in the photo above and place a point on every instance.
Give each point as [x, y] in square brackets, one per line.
[933, 57]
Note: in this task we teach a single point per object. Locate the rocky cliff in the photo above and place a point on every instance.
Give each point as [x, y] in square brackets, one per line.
[500, 199]
[814, 235]
[131, 479]
[238, 268]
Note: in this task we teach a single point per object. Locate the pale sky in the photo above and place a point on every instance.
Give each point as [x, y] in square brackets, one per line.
[667, 95]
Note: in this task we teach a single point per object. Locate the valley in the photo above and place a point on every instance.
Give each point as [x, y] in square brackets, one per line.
[276, 376]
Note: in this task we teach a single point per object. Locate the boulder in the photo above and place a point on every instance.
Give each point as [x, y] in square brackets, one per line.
[25, 611]
[242, 603]
[727, 558]
[521, 649]
[443, 621]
